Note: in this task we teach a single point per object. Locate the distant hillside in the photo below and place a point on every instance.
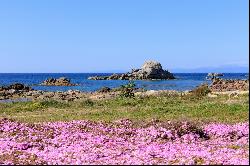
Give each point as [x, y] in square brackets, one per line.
[221, 69]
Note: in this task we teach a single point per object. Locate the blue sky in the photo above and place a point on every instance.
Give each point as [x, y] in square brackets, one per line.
[117, 35]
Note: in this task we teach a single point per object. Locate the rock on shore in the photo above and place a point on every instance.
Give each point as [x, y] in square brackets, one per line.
[222, 85]
[62, 81]
[16, 86]
[13, 90]
[151, 70]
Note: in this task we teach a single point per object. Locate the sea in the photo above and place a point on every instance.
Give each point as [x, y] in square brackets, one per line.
[183, 81]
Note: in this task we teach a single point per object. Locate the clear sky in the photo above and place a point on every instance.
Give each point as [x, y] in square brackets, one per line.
[114, 35]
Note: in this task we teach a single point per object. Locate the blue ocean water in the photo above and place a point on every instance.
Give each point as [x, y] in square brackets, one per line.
[184, 81]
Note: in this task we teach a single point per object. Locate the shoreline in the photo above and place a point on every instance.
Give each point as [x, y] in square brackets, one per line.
[218, 86]
[72, 95]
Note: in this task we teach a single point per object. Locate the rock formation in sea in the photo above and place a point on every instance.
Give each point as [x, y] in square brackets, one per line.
[62, 81]
[212, 76]
[151, 70]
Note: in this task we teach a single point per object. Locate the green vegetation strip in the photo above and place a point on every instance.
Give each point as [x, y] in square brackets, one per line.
[202, 109]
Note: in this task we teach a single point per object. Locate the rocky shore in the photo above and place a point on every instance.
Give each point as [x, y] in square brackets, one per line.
[73, 95]
[70, 95]
[222, 85]
[7, 92]
[15, 87]
[151, 70]
[18, 90]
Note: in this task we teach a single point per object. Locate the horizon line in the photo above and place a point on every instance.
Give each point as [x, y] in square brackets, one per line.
[102, 72]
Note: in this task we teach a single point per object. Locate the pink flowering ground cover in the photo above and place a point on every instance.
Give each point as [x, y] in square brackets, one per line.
[86, 142]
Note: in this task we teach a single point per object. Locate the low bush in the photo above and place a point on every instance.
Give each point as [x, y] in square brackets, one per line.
[31, 106]
[55, 104]
[87, 102]
[201, 90]
[127, 90]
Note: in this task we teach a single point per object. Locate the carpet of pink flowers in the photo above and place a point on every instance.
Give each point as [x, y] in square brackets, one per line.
[86, 142]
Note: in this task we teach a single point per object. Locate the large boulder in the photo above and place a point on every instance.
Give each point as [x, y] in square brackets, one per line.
[151, 65]
[151, 70]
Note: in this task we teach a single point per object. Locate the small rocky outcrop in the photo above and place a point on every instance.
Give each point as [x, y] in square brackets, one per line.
[151, 70]
[215, 74]
[222, 85]
[62, 81]
[212, 76]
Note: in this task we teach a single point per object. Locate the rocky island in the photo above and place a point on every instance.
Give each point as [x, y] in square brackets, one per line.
[151, 70]
[62, 81]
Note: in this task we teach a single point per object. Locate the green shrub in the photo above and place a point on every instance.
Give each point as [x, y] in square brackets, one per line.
[87, 102]
[55, 104]
[32, 106]
[127, 90]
